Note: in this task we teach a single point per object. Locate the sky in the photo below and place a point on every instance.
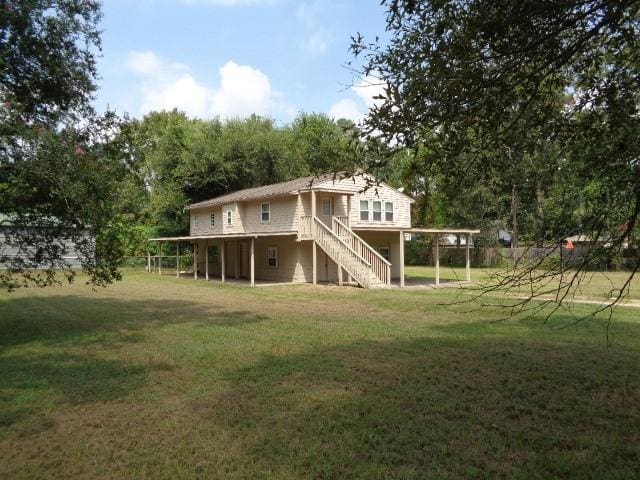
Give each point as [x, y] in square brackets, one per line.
[232, 58]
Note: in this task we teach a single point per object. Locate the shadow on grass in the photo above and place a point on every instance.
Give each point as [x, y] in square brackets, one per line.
[443, 408]
[64, 318]
[64, 339]
[28, 383]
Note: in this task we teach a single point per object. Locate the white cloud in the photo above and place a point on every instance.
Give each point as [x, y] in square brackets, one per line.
[183, 93]
[346, 108]
[317, 38]
[369, 88]
[243, 90]
[316, 44]
[148, 63]
[143, 63]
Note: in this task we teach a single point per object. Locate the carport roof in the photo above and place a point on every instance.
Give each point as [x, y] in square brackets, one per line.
[214, 237]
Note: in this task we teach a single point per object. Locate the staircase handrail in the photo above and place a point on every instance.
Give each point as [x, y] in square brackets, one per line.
[366, 245]
[360, 257]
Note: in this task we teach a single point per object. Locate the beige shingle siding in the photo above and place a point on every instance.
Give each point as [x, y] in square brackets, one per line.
[204, 221]
[287, 210]
[349, 184]
[294, 260]
[283, 217]
[383, 193]
[390, 240]
[237, 218]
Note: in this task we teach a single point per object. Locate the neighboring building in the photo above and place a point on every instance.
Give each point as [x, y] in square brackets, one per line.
[19, 248]
[327, 229]
[504, 237]
[586, 240]
[451, 240]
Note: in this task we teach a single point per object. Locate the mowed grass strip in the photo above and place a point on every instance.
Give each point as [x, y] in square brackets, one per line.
[158, 377]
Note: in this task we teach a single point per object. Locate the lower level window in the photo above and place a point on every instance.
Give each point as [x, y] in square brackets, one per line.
[213, 254]
[272, 257]
[384, 252]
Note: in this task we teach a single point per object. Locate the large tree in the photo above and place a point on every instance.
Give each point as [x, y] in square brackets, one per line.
[486, 76]
[59, 168]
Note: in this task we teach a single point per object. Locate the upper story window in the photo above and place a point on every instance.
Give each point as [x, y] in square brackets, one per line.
[327, 207]
[196, 221]
[364, 210]
[229, 217]
[377, 210]
[388, 211]
[265, 214]
[272, 257]
[212, 219]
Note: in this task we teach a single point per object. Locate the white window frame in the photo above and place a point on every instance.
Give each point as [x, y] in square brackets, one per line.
[276, 256]
[387, 211]
[196, 221]
[229, 217]
[268, 212]
[212, 219]
[327, 201]
[363, 211]
[373, 210]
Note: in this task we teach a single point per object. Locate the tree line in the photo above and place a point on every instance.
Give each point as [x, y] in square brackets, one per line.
[516, 115]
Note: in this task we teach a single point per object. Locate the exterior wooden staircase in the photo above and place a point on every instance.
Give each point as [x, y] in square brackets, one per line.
[361, 262]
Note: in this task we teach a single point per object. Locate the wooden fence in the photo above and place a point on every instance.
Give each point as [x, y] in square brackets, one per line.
[496, 256]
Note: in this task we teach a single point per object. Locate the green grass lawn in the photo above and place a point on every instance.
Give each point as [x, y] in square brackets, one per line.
[157, 377]
[596, 286]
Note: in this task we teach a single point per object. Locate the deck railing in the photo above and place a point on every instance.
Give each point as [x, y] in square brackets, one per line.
[344, 220]
[305, 231]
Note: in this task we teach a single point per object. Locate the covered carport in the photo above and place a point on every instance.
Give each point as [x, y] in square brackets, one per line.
[436, 233]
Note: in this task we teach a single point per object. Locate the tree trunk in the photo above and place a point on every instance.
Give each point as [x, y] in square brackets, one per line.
[539, 214]
[514, 216]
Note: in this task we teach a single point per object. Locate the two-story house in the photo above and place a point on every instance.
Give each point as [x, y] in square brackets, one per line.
[330, 228]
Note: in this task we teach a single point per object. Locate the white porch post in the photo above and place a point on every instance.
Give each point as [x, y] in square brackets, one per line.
[159, 258]
[253, 262]
[222, 261]
[437, 259]
[401, 261]
[177, 259]
[468, 264]
[206, 260]
[314, 263]
[314, 249]
[148, 260]
[195, 261]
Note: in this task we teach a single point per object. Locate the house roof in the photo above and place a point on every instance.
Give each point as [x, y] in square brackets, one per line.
[275, 190]
[291, 187]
